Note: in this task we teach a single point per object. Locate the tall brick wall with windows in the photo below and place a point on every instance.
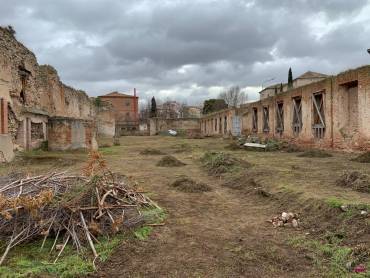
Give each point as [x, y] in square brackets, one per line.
[331, 113]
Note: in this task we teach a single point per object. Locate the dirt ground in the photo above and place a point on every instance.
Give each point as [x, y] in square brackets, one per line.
[223, 232]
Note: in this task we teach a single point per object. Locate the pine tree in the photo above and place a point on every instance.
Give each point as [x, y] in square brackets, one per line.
[290, 78]
[153, 108]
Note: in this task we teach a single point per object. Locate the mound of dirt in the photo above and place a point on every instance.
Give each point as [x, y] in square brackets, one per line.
[170, 161]
[246, 183]
[315, 154]
[188, 185]
[218, 163]
[150, 151]
[363, 158]
[355, 180]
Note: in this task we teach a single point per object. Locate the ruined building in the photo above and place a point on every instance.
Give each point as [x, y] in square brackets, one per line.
[37, 107]
[330, 112]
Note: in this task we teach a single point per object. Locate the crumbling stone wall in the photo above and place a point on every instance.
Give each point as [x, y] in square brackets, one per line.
[30, 85]
[34, 90]
[71, 134]
[105, 120]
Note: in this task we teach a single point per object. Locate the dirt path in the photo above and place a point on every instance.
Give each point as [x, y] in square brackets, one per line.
[213, 234]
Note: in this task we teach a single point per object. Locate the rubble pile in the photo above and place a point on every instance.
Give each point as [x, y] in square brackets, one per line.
[286, 219]
[73, 209]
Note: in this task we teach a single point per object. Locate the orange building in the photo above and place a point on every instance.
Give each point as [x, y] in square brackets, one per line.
[126, 111]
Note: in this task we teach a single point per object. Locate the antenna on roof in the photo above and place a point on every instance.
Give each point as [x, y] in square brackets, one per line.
[266, 81]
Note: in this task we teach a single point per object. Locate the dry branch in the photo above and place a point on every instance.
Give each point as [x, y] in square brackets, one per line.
[76, 208]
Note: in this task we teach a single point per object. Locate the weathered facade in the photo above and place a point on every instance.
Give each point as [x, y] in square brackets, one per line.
[331, 113]
[32, 95]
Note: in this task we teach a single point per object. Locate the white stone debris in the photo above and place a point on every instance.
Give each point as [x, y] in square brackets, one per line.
[172, 132]
[286, 219]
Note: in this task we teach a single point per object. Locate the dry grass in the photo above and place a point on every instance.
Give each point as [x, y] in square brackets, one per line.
[223, 216]
[315, 154]
[150, 151]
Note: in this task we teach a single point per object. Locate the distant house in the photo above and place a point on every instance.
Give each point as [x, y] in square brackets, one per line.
[126, 111]
[304, 79]
[191, 112]
[169, 110]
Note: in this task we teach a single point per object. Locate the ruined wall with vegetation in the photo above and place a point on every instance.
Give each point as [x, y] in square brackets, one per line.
[32, 90]
[39, 87]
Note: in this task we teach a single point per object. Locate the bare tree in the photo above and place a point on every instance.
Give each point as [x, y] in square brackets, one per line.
[233, 96]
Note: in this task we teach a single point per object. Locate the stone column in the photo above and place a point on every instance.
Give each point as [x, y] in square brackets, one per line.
[28, 134]
[44, 130]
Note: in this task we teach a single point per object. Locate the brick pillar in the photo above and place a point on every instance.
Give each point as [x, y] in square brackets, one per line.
[135, 106]
[3, 116]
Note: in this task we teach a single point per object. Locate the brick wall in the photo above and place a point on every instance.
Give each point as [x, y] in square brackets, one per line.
[217, 123]
[71, 134]
[125, 108]
[346, 113]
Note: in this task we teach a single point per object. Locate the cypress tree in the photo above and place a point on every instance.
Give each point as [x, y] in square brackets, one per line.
[153, 108]
[290, 78]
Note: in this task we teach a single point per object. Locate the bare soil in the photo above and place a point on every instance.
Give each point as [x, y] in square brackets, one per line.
[222, 233]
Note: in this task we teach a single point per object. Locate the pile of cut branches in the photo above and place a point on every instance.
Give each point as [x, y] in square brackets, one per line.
[69, 208]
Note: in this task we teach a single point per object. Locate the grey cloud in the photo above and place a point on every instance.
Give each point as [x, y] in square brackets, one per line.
[116, 45]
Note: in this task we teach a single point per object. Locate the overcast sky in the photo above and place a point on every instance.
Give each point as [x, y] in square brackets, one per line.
[190, 50]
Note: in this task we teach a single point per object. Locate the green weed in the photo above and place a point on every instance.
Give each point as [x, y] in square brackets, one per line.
[334, 202]
[143, 232]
